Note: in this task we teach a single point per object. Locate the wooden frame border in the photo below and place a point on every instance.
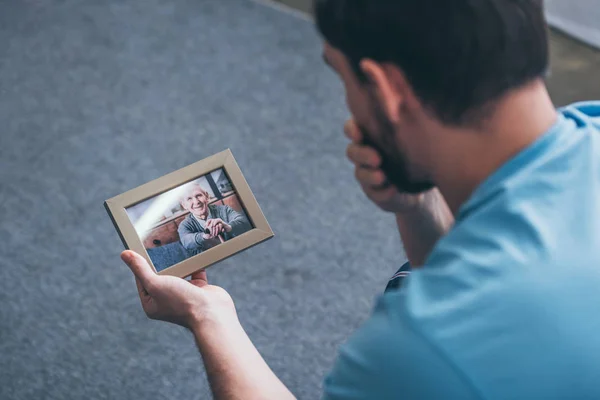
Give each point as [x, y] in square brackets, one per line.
[262, 231]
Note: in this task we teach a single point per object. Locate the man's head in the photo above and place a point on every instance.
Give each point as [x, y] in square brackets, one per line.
[195, 200]
[414, 67]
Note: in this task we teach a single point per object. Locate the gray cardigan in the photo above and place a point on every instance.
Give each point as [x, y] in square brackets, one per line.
[191, 228]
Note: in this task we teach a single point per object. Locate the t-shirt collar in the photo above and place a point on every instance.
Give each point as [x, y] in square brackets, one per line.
[493, 182]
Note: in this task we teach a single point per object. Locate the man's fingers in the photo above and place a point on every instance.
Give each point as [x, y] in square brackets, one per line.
[363, 155]
[141, 289]
[352, 131]
[380, 195]
[370, 177]
[139, 266]
[199, 277]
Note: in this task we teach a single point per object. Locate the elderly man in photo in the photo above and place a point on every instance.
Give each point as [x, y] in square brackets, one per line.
[200, 230]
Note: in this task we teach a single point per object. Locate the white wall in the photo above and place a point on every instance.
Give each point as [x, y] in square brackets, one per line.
[579, 18]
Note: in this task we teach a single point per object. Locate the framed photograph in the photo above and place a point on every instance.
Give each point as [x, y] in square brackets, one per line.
[191, 218]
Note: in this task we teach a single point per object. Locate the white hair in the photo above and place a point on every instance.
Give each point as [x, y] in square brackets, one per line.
[193, 186]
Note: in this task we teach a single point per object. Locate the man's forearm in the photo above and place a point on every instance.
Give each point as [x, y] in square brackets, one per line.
[235, 368]
[239, 226]
[421, 228]
[191, 240]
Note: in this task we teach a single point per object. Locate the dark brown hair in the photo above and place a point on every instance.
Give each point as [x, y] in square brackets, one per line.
[458, 55]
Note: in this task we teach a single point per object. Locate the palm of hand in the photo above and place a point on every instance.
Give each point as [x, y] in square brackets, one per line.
[182, 302]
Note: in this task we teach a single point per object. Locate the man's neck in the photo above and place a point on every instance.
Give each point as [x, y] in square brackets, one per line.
[203, 217]
[469, 156]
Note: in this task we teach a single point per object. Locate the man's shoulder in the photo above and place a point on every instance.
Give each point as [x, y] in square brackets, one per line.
[390, 357]
[480, 295]
[586, 112]
[220, 209]
[519, 214]
[187, 221]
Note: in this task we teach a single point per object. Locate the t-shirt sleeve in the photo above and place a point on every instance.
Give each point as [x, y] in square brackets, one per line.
[387, 359]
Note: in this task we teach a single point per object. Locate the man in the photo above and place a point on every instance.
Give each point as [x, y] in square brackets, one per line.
[496, 197]
[200, 230]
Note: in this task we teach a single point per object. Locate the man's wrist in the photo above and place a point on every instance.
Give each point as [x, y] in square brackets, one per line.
[210, 323]
[216, 313]
[427, 203]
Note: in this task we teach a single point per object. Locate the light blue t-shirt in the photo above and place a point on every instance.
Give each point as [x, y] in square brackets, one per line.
[507, 305]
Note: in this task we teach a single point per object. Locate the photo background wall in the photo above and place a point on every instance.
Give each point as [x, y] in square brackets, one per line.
[580, 19]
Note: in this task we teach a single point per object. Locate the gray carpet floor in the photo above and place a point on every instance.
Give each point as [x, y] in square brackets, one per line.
[99, 97]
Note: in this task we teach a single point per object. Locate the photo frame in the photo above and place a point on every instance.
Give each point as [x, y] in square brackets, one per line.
[150, 217]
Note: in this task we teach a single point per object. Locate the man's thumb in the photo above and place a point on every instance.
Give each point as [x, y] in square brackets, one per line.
[139, 266]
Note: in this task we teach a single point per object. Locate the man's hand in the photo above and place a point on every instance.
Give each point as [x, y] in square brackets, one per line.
[422, 218]
[207, 236]
[372, 179]
[168, 298]
[217, 226]
[234, 367]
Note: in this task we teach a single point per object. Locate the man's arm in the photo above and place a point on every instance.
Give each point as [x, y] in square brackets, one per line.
[235, 368]
[190, 239]
[229, 221]
[422, 226]
[239, 224]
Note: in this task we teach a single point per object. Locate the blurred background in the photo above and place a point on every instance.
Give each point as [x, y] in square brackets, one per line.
[97, 98]
[575, 46]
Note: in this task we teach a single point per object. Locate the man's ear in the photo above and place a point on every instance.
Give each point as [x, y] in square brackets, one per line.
[388, 85]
